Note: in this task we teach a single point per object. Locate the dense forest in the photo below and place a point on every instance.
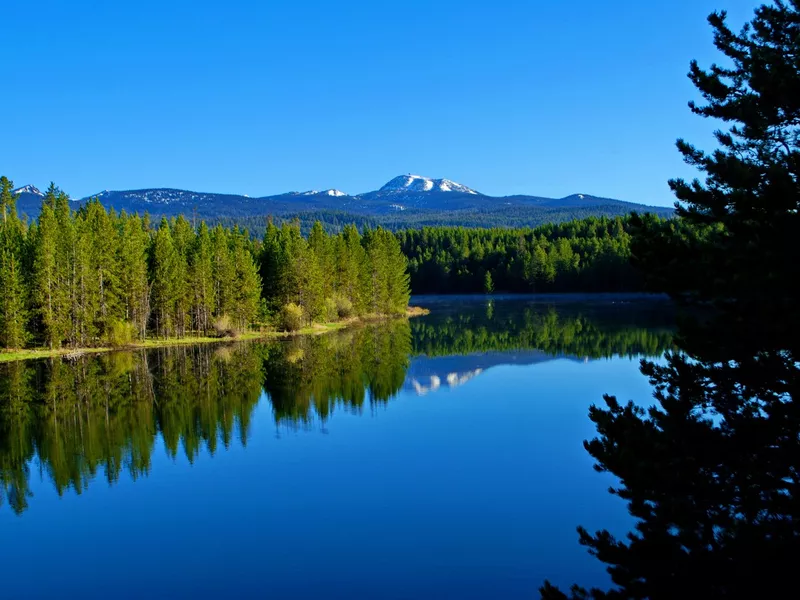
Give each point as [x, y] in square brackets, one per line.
[94, 277]
[590, 255]
[506, 217]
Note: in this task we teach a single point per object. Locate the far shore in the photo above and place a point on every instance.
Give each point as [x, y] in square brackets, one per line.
[313, 329]
[544, 297]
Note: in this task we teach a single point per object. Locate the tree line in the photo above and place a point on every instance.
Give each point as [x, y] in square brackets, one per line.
[493, 215]
[91, 276]
[588, 255]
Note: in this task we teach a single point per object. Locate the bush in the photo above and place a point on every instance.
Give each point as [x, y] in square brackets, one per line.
[121, 333]
[292, 317]
[330, 313]
[223, 327]
[344, 308]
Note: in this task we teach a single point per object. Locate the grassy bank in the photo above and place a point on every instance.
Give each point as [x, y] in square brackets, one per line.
[313, 329]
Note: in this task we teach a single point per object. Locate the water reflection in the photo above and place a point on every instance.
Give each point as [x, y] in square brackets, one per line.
[73, 422]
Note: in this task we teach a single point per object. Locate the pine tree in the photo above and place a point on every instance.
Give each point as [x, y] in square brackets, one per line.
[397, 278]
[320, 244]
[100, 226]
[488, 284]
[85, 285]
[13, 309]
[223, 272]
[247, 284]
[183, 239]
[270, 266]
[351, 259]
[375, 273]
[710, 473]
[166, 281]
[133, 277]
[751, 179]
[48, 296]
[201, 276]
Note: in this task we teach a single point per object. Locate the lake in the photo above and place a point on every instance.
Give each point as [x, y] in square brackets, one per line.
[434, 458]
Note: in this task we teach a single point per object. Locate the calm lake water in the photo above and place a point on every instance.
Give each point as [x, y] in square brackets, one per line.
[436, 458]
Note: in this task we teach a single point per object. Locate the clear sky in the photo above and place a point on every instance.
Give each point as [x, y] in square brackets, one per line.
[261, 97]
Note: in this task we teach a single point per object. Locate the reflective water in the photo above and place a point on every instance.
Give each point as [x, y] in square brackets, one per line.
[432, 459]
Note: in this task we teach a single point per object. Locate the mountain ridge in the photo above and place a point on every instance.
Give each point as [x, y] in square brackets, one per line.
[404, 198]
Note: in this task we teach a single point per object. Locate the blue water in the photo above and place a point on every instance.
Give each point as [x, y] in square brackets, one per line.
[471, 489]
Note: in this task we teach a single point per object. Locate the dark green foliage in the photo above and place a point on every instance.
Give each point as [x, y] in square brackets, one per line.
[91, 277]
[711, 472]
[326, 274]
[501, 216]
[592, 255]
[581, 331]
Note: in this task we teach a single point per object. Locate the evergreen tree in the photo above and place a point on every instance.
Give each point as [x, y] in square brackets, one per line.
[375, 269]
[247, 284]
[201, 276]
[48, 296]
[167, 284]
[222, 271]
[104, 251]
[133, 281]
[13, 309]
[488, 284]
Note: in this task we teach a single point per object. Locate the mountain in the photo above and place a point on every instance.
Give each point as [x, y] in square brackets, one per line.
[417, 183]
[404, 201]
[430, 374]
[29, 200]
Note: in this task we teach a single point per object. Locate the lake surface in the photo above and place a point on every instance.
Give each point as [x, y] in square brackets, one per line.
[436, 458]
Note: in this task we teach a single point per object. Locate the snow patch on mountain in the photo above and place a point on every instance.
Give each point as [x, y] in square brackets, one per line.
[418, 183]
[331, 192]
[28, 189]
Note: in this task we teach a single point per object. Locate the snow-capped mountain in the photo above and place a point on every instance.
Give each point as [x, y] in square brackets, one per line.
[404, 201]
[418, 183]
[333, 193]
[28, 189]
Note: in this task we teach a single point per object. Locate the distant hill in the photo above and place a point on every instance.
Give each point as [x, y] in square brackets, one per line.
[405, 201]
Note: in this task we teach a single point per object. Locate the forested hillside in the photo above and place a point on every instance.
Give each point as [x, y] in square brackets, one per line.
[94, 277]
[500, 216]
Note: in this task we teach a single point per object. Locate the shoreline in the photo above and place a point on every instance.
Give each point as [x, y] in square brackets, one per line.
[313, 329]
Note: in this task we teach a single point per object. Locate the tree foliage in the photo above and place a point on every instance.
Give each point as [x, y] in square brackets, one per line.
[711, 472]
[83, 277]
[590, 255]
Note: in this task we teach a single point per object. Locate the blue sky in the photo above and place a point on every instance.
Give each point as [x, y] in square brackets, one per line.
[547, 98]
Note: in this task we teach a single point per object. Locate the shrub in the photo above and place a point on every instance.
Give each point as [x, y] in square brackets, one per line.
[121, 333]
[344, 308]
[331, 312]
[292, 317]
[223, 327]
